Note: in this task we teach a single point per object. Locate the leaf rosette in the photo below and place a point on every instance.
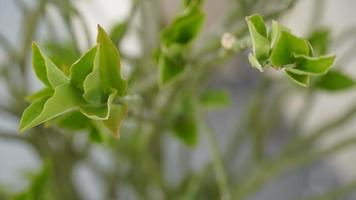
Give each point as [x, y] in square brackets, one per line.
[279, 48]
[83, 99]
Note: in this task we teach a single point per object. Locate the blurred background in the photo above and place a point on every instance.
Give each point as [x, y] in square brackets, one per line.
[270, 140]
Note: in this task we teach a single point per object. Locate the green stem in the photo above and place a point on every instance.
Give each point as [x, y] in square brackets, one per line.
[220, 173]
[271, 169]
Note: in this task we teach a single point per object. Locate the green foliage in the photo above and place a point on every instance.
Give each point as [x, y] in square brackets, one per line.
[175, 41]
[335, 81]
[40, 186]
[215, 99]
[185, 124]
[320, 40]
[85, 98]
[281, 49]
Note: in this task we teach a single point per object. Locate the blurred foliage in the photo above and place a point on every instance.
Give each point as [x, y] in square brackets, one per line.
[168, 92]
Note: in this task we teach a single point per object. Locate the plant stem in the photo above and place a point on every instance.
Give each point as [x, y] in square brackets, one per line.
[218, 165]
[270, 169]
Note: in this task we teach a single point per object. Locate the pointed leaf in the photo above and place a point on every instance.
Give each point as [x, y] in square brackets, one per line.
[46, 70]
[286, 46]
[66, 98]
[320, 40]
[46, 92]
[92, 85]
[185, 27]
[82, 67]
[254, 62]
[185, 128]
[31, 113]
[169, 69]
[302, 80]
[109, 64]
[335, 81]
[99, 112]
[312, 65]
[258, 32]
[171, 63]
[117, 115]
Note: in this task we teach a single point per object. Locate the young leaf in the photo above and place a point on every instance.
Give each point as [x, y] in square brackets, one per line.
[312, 65]
[254, 62]
[286, 46]
[44, 93]
[109, 64]
[117, 115]
[335, 81]
[260, 42]
[66, 98]
[95, 135]
[101, 111]
[169, 68]
[302, 80]
[184, 124]
[92, 85]
[185, 128]
[171, 63]
[82, 67]
[73, 121]
[185, 27]
[320, 40]
[46, 70]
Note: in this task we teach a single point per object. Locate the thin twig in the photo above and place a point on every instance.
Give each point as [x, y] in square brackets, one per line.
[220, 173]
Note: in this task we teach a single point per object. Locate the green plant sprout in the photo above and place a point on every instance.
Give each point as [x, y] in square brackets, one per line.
[87, 98]
[279, 48]
[188, 86]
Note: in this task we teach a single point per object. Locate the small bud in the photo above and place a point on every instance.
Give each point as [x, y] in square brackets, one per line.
[228, 41]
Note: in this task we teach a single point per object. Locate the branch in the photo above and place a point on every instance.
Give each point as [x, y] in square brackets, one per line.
[220, 173]
[271, 169]
[12, 136]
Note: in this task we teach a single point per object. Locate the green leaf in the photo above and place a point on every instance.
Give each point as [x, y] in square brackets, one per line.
[276, 29]
[92, 85]
[335, 81]
[101, 111]
[82, 68]
[312, 65]
[215, 99]
[46, 70]
[109, 64]
[286, 46]
[185, 27]
[254, 62]
[320, 40]
[171, 63]
[73, 121]
[31, 113]
[95, 135]
[40, 187]
[260, 43]
[65, 99]
[185, 128]
[44, 93]
[62, 53]
[184, 124]
[302, 80]
[117, 115]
